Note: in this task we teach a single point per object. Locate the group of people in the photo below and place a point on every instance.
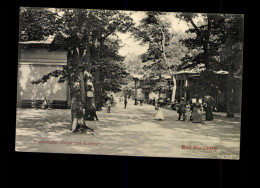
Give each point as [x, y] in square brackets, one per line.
[191, 109]
[109, 101]
[141, 100]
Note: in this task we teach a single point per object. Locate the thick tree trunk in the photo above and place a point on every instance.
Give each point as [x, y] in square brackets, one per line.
[83, 89]
[77, 116]
[88, 85]
[230, 91]
[206, 56]
[78, 123]
[168, 67]
[89, 88]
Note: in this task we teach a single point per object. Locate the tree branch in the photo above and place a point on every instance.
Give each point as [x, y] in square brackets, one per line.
[195, 26]
[109, 33]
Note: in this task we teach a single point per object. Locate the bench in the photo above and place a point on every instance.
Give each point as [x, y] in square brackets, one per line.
[31, 103]
[38, 103]
[60, 104]
[27, 103]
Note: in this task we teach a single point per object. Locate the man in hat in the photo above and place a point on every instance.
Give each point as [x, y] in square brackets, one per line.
[182, 109]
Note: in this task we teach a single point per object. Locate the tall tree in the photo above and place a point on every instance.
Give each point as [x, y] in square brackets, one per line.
[232, 55]
[76, 31]
[154, 31]
[218, 45]
[107, 24]
[206, 41]
[112, 68]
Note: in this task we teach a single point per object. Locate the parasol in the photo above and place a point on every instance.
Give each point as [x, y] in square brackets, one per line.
[208, 99]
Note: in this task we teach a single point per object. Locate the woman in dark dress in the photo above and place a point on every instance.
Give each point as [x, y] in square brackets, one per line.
[196, 113]
[208, 109]
[182, 109]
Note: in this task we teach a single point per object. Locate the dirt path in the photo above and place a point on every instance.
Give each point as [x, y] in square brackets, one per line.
[131, 131]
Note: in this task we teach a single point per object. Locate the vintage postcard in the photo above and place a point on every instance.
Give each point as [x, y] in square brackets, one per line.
[129, 83]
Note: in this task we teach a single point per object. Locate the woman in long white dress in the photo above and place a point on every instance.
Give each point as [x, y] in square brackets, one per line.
[159, 115]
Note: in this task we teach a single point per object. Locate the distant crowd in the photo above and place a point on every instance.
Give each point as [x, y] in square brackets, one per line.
[190, 109]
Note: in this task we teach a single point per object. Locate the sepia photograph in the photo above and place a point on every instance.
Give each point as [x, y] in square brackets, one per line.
[129, 83]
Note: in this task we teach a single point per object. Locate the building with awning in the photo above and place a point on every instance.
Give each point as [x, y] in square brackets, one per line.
[183, 79]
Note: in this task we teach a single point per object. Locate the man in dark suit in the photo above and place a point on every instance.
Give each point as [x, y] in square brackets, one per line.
[182, 109]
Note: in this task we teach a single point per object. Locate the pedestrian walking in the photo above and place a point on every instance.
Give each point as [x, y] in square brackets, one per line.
[111, 100]
[196, 112]
[209, 104]
[182, 109]
[159, 115]
[208, 109]
[125, 102]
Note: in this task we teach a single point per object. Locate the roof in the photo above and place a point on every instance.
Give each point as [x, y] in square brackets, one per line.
[197, 71]
[192, 71]
[166, 76]
[48, 40]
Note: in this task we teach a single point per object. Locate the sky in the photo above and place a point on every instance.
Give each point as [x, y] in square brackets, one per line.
[130, 45]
